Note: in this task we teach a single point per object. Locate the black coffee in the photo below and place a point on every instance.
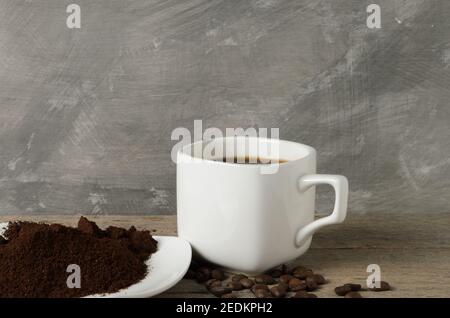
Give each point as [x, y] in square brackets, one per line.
[251, 160]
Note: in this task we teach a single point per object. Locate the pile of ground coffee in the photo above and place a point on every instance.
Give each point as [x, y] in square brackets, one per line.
[34, 259]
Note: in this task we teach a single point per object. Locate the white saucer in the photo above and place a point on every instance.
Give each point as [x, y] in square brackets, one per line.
[166, 267]
[3, 227]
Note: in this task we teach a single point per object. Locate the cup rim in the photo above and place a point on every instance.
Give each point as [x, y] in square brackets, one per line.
[310, 151]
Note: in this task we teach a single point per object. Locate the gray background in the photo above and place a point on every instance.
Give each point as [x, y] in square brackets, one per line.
[86, 115]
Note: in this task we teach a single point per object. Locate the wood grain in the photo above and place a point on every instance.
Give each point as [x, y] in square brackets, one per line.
[413, 251]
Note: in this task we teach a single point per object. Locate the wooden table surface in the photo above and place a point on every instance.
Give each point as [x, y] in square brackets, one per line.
[413, 251]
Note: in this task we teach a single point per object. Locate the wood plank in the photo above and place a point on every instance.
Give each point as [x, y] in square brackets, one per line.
[412, 251]
[358, 231]
[412, 273]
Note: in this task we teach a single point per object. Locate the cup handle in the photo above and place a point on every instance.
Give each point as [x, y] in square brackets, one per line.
[340, 185]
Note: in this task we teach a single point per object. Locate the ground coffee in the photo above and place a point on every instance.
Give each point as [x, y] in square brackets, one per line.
[34, 258]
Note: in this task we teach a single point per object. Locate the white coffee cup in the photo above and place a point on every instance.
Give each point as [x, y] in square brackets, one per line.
[244, 219]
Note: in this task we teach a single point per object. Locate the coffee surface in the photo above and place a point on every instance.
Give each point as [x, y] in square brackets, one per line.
[34, 258]
[251, 160]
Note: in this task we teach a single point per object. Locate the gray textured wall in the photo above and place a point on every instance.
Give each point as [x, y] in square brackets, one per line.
[86, 115]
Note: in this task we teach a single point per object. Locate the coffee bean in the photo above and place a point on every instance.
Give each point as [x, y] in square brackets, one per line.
[229, 295]
[354, 287]
[276, 273]
[296, 284]
[353, 294]
[247, 283]
[303, 294]
[279, 290]
[190, 274]
[300, 268]
[203, 274]
[319, 279]
[384, 286]
[234, 285]
[217, 274]
[302, 273]
[219, 290]
[284, 269]
[238, 277]
[286, 278]
[265, 279]
[262, 293]
[311, 284]
[342, 290]
[213, 283]
[259, 286]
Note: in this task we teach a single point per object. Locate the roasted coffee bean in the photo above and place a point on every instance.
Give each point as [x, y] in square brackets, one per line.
[190, 274]
[235, 286]
[219, 290]
[276, 273]
[384, 286]
[247, 282]
[311, 284]
[319, 279]
[279, 290]
[302, 273]
[203, 274]
[353, 294]
[213, 283]
[262, 293]
[284, 269]
[229, 295]
[238, 277]
[303, 294]
[354, 287]
[265, 279]
[217, 274]
[259, 286]
[286, 278]
[342, 290]
[300, 268]
[296, 284]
